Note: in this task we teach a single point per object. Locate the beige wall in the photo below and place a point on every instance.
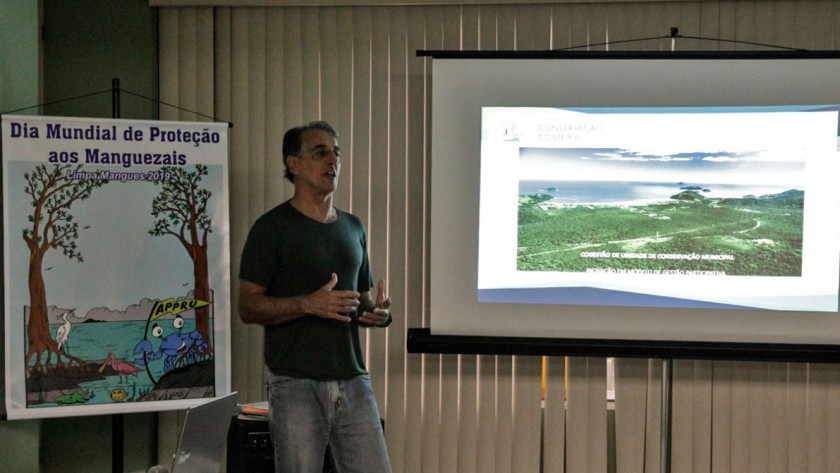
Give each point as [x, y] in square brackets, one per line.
[19, 88]
[265, 69]
[452, 413]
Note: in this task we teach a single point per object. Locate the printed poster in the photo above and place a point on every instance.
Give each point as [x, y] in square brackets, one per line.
[117, 268]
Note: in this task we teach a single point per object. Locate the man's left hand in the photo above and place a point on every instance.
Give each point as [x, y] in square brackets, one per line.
[380, 315]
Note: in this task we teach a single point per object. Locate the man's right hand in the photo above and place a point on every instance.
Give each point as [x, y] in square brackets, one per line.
[331, 304]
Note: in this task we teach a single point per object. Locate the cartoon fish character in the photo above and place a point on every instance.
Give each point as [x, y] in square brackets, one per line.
[118, 394]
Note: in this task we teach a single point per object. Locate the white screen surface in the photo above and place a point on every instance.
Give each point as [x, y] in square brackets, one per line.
[560, 129]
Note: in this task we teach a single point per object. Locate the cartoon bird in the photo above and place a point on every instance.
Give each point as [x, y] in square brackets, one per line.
[63, 332]
[123, 368]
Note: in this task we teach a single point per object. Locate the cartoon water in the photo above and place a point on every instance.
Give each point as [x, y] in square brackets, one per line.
[118, 348]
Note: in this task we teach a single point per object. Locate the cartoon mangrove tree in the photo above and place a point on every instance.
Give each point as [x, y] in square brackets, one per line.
[180, 210]
[51, 227]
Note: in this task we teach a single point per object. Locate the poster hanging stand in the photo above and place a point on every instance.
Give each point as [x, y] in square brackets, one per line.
[117, 420]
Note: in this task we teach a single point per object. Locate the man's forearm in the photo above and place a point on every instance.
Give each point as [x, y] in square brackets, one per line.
[267, 310]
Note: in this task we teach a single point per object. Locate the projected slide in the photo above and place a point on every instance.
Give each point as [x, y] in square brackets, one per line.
[712, 207]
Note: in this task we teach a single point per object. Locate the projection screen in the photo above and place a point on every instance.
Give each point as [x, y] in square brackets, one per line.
[636, 197]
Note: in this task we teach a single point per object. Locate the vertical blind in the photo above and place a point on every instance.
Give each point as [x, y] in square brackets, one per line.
[266, 69]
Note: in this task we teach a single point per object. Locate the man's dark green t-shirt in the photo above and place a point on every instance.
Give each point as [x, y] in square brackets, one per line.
[292, 255]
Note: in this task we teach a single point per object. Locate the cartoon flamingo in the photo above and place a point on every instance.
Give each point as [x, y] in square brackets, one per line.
[122, 368]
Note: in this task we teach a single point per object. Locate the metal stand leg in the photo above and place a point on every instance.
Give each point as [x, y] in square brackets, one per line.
[117, 442]
[665, 430]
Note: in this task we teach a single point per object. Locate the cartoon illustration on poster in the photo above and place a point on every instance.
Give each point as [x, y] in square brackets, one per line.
[116, 264]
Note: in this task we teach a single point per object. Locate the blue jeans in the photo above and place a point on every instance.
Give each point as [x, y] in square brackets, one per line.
[307, 415]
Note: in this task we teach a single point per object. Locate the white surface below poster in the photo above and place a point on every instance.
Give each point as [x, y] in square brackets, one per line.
[116, 265]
